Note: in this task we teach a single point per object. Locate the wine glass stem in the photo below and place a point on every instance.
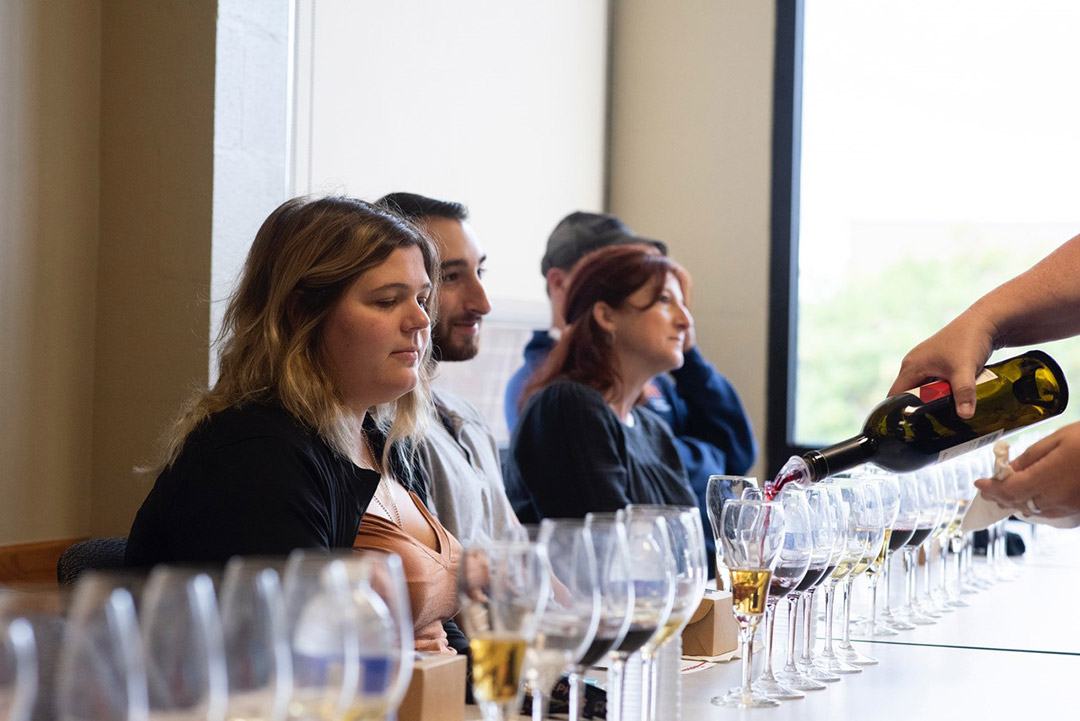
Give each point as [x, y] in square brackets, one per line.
[615, 688]
[792, 611]
[808, 627]
[746, 641]
[539, 704]
[577, 686]
[830, 592]
[770, 621]
[909, 579]
[846, 642]
[648, 669]
[874, 581]
[927, 577]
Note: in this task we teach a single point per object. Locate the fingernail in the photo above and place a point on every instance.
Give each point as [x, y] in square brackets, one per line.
[966, 409]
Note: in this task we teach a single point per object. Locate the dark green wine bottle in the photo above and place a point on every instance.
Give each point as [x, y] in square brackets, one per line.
[920, 427]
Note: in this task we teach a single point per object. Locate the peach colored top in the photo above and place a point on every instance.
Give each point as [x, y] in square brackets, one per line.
[431, 574]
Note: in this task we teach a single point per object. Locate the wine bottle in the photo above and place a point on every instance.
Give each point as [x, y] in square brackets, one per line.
[915, 429]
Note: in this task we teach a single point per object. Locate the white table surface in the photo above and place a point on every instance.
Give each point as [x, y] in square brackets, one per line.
[1014, 653]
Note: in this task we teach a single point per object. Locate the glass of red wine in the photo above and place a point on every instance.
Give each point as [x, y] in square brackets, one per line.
[928, 486]
[791, 567]
[823, 549]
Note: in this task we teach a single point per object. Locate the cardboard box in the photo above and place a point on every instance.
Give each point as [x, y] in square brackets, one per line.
[437, 690]
[712, 630]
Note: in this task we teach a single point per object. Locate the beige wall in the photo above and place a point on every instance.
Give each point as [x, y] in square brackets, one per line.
[49, 95]
[690, 163]
[105, 206]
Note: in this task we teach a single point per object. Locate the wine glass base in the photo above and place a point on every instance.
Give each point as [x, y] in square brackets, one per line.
[814, 673]
[799, 682]
[735, 698]
[959, 603]
[775, 690]
[880, 628]
[835, 665]
[898, 624]
[851, 655]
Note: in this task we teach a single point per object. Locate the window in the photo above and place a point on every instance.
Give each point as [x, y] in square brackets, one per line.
[924, 152]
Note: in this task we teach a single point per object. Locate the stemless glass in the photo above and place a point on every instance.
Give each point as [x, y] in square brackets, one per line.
[257, 659]
[856, 541]
[791, 568]
[503, 588]
[385, 641]
[101, 675]
[182, 642]
[872, 521]
[608, 533]
[823, 533]
[752, 533]
[18, 670]
[572, 614]
[687, 540]
[320, 619]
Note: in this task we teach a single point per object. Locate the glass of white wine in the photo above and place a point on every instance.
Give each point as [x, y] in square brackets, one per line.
[503, 587]
[752, 533]
[872, 523]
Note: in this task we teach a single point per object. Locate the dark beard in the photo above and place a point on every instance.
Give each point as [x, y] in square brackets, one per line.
[443, 349]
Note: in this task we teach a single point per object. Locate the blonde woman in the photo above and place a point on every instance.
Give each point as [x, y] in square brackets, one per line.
[321, 395]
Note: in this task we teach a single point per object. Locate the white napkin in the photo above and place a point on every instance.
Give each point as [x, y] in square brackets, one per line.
[983, 513]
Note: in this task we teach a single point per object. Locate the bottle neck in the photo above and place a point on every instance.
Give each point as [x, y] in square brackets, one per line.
[840, 457]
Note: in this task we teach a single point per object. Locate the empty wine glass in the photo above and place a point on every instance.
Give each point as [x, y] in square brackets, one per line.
[18, 669]
[43, 612]
[258, 662]
[101, 675]
[572, 614]
[182, 642]
[872, 521]
[791, 567]
[608, 534]
[321, 625]
[385, 627]
[752, 533]
[822, 523]
[503, 588]
[686, 537]
[856, 542]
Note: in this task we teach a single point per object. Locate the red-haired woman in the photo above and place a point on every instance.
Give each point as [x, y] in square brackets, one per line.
[584, 441]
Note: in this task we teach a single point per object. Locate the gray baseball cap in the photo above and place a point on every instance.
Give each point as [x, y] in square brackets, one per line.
[580, 233]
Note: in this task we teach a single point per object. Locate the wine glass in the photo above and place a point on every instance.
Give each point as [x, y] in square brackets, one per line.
[929, 496]
[650, 572]
[384, 622]
[888, 486]
[18, 669]
[792, 565]
[42, 611]
[183, 646]
[807, 664]
[933, 479]
[608, 534]
[856, 544]
[957, 537]
[752, 533]
[258, 662]
[503, 588]
[687, 540]
[901, 533]
[872, 520]
[933, 604]
[320, 621]
[100, 674]
[572, 614]
[822, 524]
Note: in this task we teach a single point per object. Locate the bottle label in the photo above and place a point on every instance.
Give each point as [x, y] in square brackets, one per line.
[939, 389]
[950, 453]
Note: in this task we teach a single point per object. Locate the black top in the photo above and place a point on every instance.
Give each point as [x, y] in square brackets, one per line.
[250, 481]
[570, 455]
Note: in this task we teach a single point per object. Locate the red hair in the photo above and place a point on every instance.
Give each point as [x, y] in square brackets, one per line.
[609, 275]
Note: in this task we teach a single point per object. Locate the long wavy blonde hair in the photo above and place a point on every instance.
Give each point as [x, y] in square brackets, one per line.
[304, 257]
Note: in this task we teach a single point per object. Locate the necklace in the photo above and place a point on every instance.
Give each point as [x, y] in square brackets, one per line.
[396, 516]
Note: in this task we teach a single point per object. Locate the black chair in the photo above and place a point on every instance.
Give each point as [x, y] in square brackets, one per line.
[93, 554]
